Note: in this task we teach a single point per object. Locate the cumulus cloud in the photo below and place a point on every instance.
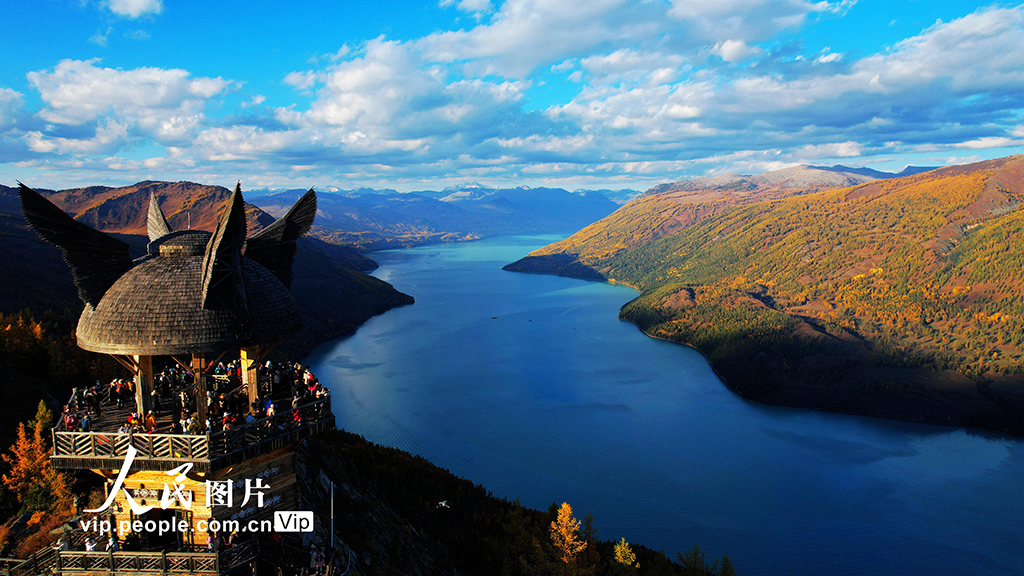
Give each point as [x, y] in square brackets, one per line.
[384, 104]
[77, 91]
[831, 150]
[109, 108]
[957, 84]
[633, 65]
[646, 98]
[134, 8]
[753, 20]
[735, 50]
[11, 103]
[524, 34]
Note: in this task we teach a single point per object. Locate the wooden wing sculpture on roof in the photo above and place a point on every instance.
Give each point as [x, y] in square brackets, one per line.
[97, 259]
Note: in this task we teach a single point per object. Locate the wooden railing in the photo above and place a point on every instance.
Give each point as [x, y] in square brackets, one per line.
[240, 438]
[47, 561]
[70, 562]
[105, 449]
[10, 566]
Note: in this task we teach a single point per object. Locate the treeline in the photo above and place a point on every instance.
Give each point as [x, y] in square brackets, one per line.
[486, 535]
[39, 360]
[43, 347]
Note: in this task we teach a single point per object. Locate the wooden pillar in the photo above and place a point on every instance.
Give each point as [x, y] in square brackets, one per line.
[199, 375]
[143, 383]
[250, 371]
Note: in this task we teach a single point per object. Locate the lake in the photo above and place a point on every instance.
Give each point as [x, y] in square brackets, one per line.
[531, 386]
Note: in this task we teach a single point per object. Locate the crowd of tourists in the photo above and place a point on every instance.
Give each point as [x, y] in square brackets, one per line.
[282, 387]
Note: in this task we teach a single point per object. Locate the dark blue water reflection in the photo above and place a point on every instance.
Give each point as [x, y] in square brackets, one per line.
[531, 386]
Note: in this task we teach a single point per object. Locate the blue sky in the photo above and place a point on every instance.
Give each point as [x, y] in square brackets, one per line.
[577, 94]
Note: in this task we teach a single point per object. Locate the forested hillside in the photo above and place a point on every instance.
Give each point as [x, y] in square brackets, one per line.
[899, 298]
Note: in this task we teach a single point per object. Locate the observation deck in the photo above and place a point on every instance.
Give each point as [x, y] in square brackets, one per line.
[105, 448]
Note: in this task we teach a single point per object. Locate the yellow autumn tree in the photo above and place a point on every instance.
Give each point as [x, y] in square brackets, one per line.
[34, 482]
[565, 534]
[624, 554]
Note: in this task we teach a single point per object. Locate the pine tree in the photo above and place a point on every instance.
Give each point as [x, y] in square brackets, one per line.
[695, 563]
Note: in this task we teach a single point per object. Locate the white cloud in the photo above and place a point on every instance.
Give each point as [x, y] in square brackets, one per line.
[11, 103]
[966, 57]
[828, 57]
[648, 99]
[633, 65]
[134, 8]
[833, 150]
[119, 106]
[301, 80]
[100, 38]
[564, 66]
[735, 50]
[989, 142]
[680, 112]
[748, 19]
[524, 34]
[382, 104]
[242, 142]
[468, 5]
[78, 91]
[110, 136]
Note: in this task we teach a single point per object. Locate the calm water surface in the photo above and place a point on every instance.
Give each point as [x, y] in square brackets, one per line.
[531, 386]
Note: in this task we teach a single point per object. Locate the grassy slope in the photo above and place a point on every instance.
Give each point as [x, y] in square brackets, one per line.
[897, 298]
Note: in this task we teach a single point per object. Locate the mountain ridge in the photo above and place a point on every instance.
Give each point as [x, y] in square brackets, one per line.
[896, 297]
[388, 219]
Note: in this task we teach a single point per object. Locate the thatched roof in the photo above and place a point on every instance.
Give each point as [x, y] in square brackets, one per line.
[195, 292]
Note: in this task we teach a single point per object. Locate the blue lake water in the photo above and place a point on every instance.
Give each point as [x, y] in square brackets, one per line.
[531, 386]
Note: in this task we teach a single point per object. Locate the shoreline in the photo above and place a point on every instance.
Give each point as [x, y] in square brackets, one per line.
[920, 396]
[739, 392]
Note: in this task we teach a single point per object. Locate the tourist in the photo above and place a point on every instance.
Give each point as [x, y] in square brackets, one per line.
[90, 544]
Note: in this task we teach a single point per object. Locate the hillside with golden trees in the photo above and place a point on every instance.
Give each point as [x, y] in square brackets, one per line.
[901, 298]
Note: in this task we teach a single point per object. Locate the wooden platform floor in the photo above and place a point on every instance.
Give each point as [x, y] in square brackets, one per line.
[111, 417]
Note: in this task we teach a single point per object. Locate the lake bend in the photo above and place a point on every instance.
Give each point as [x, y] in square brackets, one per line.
[531, 386]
